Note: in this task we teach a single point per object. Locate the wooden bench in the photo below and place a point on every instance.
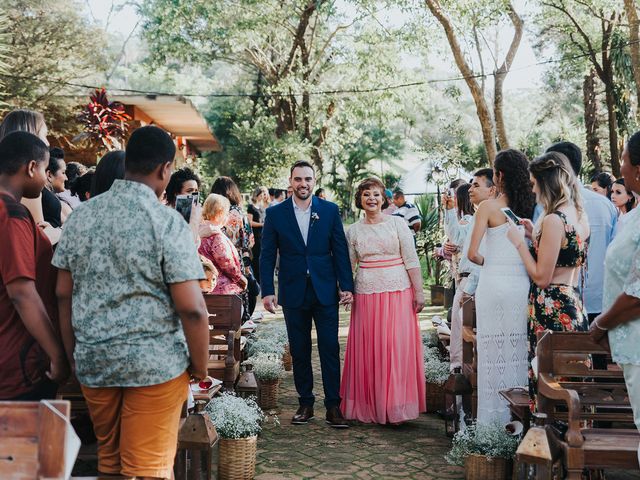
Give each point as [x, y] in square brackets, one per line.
[225, 319]
[32, 439]
[567, 392]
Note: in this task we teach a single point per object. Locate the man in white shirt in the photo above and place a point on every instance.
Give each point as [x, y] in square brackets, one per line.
[482, 188]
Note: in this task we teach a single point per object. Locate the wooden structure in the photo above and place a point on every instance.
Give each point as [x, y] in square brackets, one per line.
[569, 390]
[225, 320]
[469, 353]
[32, 439]
[175, 114]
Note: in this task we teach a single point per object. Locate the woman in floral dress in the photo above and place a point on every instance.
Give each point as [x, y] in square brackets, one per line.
[555, 259]
[238, 229]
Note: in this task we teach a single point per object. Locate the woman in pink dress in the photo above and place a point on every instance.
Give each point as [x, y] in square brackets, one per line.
[383, 377]
[217, 247]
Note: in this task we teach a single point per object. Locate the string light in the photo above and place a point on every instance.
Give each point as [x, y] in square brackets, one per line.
[313, 93]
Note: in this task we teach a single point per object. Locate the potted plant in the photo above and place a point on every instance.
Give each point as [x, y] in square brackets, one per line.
[427, 240]
[268, 369]
[485, 451]
[238, 422]
[436, 372]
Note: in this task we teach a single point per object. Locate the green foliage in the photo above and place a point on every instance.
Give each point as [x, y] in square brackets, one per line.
[429, 236]
[51, 43]
[489, 440]
[354, 160]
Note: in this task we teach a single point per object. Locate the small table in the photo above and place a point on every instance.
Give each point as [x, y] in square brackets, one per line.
[202, 398]
[518, 399]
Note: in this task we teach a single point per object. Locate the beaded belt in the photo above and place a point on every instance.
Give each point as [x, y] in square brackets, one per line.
[391, 262]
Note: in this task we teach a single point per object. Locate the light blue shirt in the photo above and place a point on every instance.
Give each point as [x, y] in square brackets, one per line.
[303, 217]
[622, 275]
[459, 234]
[123, 249]
[602, 216]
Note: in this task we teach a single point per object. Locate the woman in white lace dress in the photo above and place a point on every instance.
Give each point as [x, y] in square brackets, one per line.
[383, 376]
[503, 288]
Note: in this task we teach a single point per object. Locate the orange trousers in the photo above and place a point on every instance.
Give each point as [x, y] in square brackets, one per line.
[137, 427]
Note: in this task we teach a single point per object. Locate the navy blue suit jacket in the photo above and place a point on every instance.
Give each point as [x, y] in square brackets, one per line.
[325, 257]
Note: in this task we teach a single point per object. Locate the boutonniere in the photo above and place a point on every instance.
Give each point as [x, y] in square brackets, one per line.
[314, 217]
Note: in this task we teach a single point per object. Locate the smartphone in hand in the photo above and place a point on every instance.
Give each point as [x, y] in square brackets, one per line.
[185, 204]
[510, 215]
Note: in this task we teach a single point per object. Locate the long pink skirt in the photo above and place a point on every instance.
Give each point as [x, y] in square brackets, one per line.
[383, 378]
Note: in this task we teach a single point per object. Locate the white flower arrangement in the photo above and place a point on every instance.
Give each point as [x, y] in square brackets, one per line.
[491, 440]
[265, 344]
[266, 366]
[269, 337]
[435, 369]
[235, 417]
[430, 338]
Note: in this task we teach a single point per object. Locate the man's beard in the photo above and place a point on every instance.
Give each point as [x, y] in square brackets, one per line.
[297, 194]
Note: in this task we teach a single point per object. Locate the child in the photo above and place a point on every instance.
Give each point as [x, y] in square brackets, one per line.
[32, 358]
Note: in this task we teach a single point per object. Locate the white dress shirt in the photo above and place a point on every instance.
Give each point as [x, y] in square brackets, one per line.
[303, 217]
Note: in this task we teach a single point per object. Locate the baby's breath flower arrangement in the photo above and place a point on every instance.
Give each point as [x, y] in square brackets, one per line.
[235, 417]
[488, 440]
[435, 369]
[430, 338]
[266, 366]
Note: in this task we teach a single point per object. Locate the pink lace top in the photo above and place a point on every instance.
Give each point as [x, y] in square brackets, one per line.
[381, 254]
[224, 256]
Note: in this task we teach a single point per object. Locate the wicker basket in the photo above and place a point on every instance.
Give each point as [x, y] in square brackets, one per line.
[237, 458]
[480, 467]
[268, 394]
[287, 361]
[435, 397]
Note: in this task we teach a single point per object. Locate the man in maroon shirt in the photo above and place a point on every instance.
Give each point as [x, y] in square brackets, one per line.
[32, 359]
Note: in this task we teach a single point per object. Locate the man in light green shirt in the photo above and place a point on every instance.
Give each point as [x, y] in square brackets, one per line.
[132, 316]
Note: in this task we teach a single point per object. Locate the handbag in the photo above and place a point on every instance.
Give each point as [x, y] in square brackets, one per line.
[253, 287]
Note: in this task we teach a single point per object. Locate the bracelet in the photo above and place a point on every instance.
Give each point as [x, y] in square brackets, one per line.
[599, 327]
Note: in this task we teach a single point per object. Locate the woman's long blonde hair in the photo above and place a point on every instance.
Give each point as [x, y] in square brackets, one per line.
[556, 182]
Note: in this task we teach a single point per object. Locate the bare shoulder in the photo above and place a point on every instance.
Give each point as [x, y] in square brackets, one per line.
[489, 206]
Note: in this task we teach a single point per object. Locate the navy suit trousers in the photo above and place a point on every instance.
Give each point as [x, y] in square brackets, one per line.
[298, 322]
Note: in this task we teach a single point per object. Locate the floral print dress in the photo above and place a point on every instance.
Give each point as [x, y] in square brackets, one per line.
[557, 307]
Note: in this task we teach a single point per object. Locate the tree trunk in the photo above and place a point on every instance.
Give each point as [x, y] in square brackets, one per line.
[316, 153]
[501, 74]
[590, 104]
[482, 110]
[613, 125]
[634, 47]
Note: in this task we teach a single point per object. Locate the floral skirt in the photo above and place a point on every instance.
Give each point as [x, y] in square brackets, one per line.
[558, 308]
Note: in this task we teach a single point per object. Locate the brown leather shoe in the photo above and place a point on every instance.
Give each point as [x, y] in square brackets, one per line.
[335, 418]
[303, 415]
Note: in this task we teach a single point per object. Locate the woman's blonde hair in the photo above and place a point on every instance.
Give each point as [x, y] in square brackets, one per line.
[22, 120]
[215, 205]
[556, 182]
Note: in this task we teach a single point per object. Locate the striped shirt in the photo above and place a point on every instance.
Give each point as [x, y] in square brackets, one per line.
[409, 213]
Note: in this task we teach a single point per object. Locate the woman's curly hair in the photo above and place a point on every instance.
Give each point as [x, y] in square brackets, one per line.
[368, 184]
[515, 182]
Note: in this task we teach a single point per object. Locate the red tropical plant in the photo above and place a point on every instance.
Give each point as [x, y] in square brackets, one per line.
[104, 121]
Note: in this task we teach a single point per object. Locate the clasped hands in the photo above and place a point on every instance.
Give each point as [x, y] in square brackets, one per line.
[270, 302]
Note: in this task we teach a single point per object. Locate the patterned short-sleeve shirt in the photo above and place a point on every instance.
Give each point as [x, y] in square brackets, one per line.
[123, 249]
[622, 275]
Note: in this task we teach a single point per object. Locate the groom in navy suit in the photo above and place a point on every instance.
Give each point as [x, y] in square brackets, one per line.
[314, 278]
